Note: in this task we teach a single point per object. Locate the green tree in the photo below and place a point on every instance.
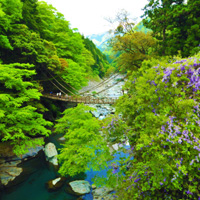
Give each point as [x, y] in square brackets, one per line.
[28, 47]
[175, 24]
[130, 46]
[30, 15]
[133, 48]
[84, 147]
[193, 28]
[74, 74]
[21, 124]
[158, 18]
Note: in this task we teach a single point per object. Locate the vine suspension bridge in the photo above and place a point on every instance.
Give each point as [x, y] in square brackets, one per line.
[76, 97]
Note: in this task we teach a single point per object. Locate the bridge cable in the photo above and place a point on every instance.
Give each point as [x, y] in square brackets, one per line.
[61, 85]
[63, 81]
[101, 83]
[110, 86]
[98, 85]
[55, 84]
[57, 87]
[68, 84]
[58, 82]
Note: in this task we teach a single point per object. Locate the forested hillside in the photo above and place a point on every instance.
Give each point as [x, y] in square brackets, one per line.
[101, 65]
[38, 45]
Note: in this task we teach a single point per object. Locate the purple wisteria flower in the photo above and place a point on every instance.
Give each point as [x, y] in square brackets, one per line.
[182, 67]
[188, 192]
[153, 82]
[167, 72]
[136, 180]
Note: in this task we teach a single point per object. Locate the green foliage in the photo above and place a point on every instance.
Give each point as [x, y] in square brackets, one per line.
[30, 48]
[10, 12]
[141, 28]
[175, 24]
[162, 109]
[84, 147]
[115, 129]
[30, 14]
[20, 122]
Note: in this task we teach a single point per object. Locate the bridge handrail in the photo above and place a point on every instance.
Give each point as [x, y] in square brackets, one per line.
[82, 99]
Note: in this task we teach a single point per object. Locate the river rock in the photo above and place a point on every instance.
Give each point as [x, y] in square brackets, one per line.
[117, 146]
[79, 187]
[62, 139]
[106, 197]
[94, 186]
[103, 193]
[51, 153]
[55, 184]
[9, 171]
[96, 114]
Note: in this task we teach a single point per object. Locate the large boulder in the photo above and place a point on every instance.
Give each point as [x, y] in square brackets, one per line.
[79, 187]
[51, 153]
[9, 171]
[55, 184]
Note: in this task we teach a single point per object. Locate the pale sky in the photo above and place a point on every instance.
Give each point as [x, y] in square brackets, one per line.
[89, 15]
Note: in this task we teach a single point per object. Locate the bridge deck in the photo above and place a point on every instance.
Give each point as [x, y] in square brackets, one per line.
[81, 99]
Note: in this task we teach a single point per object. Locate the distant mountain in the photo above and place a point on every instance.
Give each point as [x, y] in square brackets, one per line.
[100, 40]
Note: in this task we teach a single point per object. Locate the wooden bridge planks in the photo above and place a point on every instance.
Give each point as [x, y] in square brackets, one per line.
[81, 99]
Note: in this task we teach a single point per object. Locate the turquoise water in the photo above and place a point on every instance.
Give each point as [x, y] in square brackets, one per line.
[34, 187]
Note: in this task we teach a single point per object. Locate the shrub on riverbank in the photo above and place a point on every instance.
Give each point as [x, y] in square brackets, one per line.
[162, 107]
